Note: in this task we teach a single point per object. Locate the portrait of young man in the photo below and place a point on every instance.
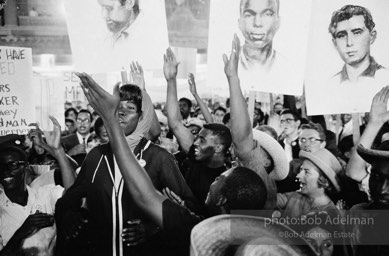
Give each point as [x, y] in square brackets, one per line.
[347, 56]
[265, 29]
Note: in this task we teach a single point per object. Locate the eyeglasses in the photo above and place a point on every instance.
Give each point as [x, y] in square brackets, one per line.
[288, 120]
[311, 139]
[85, 121]
[14, 165]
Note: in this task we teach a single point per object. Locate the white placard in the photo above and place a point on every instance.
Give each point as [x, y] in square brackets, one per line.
[286, 65]
[95, 49]
[16, 90]
[327, 92]
[49, 93]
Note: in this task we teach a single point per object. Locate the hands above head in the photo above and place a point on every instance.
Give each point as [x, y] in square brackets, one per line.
[192, 84]
[170, 65]
[137, 75]
[379, 112]
[53, 139]
[231, 64]
[103, 102]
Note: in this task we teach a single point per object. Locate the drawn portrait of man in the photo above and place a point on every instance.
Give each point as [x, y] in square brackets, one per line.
[353, 33]
[265, 28]
[259, 22]
[347, 57]
[107, 35]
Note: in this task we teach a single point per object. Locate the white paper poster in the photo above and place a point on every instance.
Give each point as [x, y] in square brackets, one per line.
[107, 36]
[348, 58]
[16, 90]
[273, 40]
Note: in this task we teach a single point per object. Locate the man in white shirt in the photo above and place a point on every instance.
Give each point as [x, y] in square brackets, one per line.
[26, 214]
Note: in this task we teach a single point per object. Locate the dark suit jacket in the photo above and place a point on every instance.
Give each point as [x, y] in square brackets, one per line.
[68, 142]
[295, 147]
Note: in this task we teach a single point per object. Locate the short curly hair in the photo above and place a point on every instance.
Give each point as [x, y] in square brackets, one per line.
[346, 13]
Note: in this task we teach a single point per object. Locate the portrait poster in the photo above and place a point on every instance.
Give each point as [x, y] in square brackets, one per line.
[346, 70]
[106, 36]
[17, 106]
[281, 67]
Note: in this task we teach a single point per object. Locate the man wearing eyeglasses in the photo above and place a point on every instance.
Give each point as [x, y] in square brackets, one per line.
[26, 214]
[75, 144]
[290, 122]
[312, 137]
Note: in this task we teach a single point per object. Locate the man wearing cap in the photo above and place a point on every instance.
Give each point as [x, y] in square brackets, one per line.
[26, 214]
[237, 188]
[205, 155]
[319, 184]
[255, 149]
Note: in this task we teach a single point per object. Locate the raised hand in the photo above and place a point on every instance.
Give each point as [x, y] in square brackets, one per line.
[170, 65]
[104, 103]
[231, 64]
[379, 112]
[192, 84]
[136, 72]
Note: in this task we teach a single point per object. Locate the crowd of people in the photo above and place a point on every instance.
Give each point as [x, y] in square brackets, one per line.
[129, 180]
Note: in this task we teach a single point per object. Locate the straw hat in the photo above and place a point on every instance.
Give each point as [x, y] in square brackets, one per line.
[194, 122]
[276, 152]
[373, 156]
[326, 162]
[247, 235]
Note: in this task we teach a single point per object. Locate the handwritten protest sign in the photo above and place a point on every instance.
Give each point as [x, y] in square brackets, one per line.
[16, 91]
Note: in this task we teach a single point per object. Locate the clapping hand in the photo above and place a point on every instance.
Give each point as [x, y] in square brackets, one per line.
[104, 103]
[53, 139]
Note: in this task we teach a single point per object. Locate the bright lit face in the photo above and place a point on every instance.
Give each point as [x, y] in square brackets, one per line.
[321, 240]
[353, 39]
[205, 145]
[12, 175]
[308, 177]
[289, 124]
[128, 116]
[219, 114]
[116, 16]
[310, 141]
[83, 123]
[259, 21]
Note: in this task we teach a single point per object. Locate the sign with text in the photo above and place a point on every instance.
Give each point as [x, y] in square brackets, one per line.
[16, 98]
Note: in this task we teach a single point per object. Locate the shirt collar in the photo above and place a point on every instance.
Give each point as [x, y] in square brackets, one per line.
[128, 30]
[247, 62]
[80, 138]
[369, 72]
